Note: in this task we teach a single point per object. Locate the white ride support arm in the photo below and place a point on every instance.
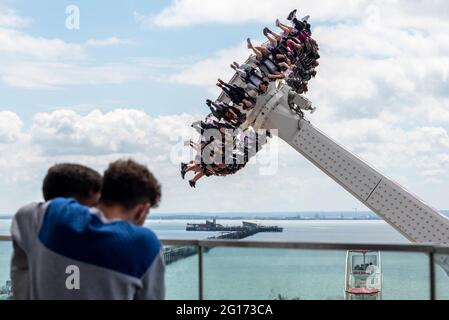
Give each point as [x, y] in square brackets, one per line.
[404, 211]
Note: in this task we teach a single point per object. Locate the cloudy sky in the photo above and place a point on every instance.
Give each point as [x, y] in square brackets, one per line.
[134, 76]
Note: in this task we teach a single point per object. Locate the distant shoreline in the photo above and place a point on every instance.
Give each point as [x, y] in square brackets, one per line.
[280, 216]
[262, 218]
[158, 218]
[248, 218]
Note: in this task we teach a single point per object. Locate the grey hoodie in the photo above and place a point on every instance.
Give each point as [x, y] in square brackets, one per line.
[63, 250]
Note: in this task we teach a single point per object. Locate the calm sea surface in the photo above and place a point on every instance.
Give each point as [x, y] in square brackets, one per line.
[264, 274]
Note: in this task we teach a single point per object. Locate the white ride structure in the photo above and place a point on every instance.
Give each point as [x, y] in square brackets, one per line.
[279, 109]
[363, 275]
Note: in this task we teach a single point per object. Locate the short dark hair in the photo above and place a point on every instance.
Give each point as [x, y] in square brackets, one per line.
[68, 180]
[129, 183]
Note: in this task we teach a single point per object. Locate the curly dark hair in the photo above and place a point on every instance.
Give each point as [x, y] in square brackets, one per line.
[68, 180]
[129, 183]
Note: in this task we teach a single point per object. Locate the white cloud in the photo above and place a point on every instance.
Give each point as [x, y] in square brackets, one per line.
[51, 75]
[196, 12]
[18, 44]
[381, 88]
[9, 18]
[205, 73]
[380, 64]
[10, 127]
[119, 131]
[377, 57]
[94, 139]
[112, 41]
[393, 148]
[41, 63]
[418, 157]
[33, 62]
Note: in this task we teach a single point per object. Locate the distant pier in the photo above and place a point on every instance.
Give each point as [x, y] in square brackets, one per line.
[247, 229]
[174, 254]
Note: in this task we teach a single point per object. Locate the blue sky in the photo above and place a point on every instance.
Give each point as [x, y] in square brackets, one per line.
[132, 78]
[168, 47]
[101, 20]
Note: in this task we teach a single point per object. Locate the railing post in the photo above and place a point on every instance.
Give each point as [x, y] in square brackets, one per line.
[200, 273]
[432, 275]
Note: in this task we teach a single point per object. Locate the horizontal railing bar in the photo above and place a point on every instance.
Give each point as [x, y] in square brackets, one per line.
[441, 250]
[317, 246]
[171, 242]
[306, 245]
[300, 245]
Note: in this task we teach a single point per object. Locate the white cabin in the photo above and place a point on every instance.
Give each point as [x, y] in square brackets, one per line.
[363, 275]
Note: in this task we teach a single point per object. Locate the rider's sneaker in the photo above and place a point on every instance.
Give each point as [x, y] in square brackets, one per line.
[183, 170]
[265, 31]
[292, 15]
[249, 44]
[305, 19]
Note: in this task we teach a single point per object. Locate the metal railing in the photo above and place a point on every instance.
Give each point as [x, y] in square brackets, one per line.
[429, 250]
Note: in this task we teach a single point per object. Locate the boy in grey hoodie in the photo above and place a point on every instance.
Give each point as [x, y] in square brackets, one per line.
[66, 250]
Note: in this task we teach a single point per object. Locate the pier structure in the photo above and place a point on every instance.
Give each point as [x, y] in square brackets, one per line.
[247, 229]
[173, 254]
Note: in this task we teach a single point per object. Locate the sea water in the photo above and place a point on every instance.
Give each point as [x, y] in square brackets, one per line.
[241, 273]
